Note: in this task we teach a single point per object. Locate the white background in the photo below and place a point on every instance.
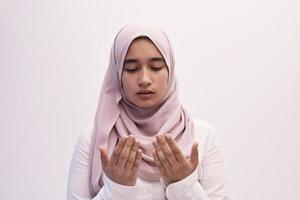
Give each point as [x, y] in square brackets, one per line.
[237, 63]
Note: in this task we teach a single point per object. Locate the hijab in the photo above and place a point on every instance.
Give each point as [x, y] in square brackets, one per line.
[117, 117]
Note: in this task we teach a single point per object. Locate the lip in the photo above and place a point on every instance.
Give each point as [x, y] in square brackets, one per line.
[145, 94]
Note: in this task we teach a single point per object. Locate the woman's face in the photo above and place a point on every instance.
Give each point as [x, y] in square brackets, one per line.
[145, 74]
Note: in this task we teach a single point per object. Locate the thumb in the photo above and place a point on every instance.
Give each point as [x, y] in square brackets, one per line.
[104, 157]
[194, 155]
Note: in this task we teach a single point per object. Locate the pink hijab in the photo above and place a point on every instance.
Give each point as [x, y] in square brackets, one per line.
[117, 117]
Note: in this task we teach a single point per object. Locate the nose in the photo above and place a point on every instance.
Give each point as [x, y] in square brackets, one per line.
[144, 78]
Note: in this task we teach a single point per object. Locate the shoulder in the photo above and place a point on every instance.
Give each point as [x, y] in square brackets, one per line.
[203, 129]
[85, 137]
[205, 135]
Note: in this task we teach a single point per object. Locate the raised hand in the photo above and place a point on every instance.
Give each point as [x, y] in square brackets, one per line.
[123, 165]
[170, 161]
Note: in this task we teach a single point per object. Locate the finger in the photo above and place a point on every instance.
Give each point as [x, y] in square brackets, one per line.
[157, 162]
[132, 155]
[136, 165]
[176, 151]
[116, 153]
[167, 150]
[194, 155]
[161, 156]
[104, 157]
[125, 151]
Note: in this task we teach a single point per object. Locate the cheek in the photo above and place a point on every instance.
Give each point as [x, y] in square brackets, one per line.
[127, 83]
[164, 81]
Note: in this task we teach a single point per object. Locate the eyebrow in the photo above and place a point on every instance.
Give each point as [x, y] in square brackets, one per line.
[153, 59]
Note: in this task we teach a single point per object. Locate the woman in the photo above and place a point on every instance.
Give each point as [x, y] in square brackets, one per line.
[143, 143]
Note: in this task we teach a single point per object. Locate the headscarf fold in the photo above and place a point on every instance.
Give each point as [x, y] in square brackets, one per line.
[117, 117]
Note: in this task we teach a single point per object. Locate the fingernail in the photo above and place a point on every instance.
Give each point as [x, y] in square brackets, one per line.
[139, 152]
[159, 137]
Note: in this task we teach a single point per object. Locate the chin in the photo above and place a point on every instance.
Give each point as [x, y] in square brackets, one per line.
[146, 105]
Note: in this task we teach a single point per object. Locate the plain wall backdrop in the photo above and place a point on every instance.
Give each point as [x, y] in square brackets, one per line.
[238, 68]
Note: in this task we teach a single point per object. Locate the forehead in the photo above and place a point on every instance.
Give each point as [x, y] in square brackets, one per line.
[142, 47]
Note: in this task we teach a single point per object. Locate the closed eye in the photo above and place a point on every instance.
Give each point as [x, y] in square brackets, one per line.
[131, 69]
[156, 68]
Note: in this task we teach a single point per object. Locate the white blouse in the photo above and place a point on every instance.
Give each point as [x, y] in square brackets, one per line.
[210, 185]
